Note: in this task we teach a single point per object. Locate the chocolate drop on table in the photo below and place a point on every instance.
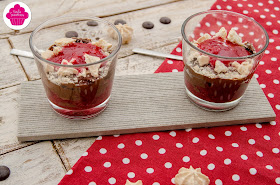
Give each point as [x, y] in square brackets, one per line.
[4, 173]
[92, 23]
[71, 34]
[165, 20]
[119, 21]
[148, 25]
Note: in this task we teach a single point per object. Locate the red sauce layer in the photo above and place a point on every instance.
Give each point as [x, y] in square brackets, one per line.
[77, 51]
[222, 47]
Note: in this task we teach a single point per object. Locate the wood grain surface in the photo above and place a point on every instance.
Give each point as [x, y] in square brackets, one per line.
[136, 105]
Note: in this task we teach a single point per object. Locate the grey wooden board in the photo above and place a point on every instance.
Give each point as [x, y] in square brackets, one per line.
[139, 103]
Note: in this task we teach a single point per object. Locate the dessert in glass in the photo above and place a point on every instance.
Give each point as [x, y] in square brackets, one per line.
[76, 60]
[220, 57]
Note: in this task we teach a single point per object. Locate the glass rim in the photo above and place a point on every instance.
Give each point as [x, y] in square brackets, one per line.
[36, 54]
[218, 56]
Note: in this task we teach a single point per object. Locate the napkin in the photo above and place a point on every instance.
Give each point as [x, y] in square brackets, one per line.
[247, 154]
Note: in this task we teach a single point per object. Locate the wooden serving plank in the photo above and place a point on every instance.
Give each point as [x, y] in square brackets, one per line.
[140, 103]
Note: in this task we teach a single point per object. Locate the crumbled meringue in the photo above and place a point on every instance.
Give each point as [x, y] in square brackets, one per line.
[139, 182]
[191, 176]
[125, 30]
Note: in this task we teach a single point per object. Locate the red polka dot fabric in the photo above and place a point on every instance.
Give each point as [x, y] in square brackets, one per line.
[239, 154]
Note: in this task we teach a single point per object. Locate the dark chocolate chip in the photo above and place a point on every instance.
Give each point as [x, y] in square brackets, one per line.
[71, 34]
[165, 20]
[92, 23]
[84, 29]
[119, 21]
[97, 38]
[148, 25]
[4, 172]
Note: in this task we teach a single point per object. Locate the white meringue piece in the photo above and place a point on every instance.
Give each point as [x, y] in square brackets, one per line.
[191, 176]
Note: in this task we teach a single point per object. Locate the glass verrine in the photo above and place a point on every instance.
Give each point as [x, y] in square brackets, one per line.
[216, 80]
[77, 72]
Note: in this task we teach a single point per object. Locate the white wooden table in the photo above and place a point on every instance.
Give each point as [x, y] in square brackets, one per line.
[47, 162]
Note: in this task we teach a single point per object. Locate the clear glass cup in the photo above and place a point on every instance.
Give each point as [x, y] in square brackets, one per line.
[223, 91]
[73, 95]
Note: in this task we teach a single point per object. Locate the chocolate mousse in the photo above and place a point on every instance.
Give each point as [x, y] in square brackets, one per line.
[78, 88]
[214, 79]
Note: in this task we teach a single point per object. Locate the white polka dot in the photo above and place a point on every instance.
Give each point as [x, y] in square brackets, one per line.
[277, 47]
[92, 183]
[268, 23]
[235, 145]
[211, 136]
[85, 154]
[218, 7]
[277, 107]
[259, 153]
[179, 145]
[156, 183]
[272, 15]
[218, 182]
[195, 140]
[172, 133]
[267, 52]
[229, 7]
[250, 5]
[262, 85]
[260, 4]
[258, 125]
[69, 172]
[107, 165]
[275, 32]
[186, 159]
[262, 16]
[244, 157]
[112, 180]
[241, 34]
[269, 167]
[251, 141]
[150, 170]
[273, 59]
[121, 146]
[273, 123]
[131, 175]
[168, 165]
[245, 11]
[203, 152]
[144, 156]
[276, 81]
[211, 166]
[253, 171]
[207, 24]
[173, 180]
[116, 135]
[268, 71]
[162, 151]
[188, 129]
[270, 95]
[220, 149]
[243, 128]
[257, 11]
[126, 161]
[251, 33]
[138, 142]
[229, 22]
[239, 5]
[270, 2]
[169, 61]
[178, 50]
[88, 169]
[219, 23]
[175, 70]
[156, 137]
[261, 62]
[275, 150]
[227, 161]
[99, 138]
[228, 133]
[212, 33]
[103, 151]
[277, 180]
[235, 177]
